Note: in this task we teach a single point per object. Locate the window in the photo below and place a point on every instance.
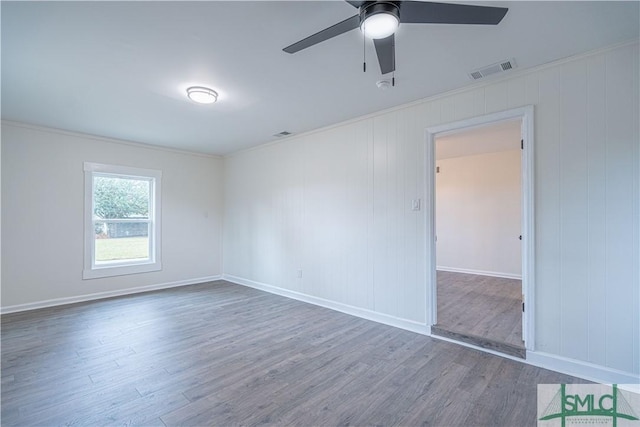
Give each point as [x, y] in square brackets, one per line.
[122, 220]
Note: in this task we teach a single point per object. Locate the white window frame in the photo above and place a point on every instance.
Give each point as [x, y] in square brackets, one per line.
[154, 262]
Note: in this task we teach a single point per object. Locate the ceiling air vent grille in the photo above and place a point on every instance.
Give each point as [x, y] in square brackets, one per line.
[282, 134]
[499, 67]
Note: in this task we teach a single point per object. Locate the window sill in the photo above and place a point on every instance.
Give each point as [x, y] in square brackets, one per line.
[110, 271]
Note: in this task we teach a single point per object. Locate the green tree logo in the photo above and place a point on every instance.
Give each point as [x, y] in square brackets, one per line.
[611, 405]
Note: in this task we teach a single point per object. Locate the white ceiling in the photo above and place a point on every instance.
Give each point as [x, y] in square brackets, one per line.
[120, 69]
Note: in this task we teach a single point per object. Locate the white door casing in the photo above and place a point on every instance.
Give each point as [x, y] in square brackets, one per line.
[526, 115]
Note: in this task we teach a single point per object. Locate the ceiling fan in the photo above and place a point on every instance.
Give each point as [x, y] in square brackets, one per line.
[380, 19]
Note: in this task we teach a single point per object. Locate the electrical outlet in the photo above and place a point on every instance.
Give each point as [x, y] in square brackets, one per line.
[299, 274]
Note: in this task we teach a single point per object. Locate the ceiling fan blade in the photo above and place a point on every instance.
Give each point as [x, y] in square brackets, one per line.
[335, 30]
[386, 50]
[416, 12]
[355, 4]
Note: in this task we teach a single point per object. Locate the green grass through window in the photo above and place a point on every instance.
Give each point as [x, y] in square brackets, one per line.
[122, 248]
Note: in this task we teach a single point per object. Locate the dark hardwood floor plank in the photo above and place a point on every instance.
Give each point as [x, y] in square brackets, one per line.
[438, 392]
[72, 406]
[144, 410]
[480, 310]
[222, 354]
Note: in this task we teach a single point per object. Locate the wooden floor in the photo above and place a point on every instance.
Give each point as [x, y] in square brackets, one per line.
[483, 308]
[222, 354]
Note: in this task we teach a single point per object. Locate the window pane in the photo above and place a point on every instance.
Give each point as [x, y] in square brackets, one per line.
[121, 241]
[120, 198]
[121, 214]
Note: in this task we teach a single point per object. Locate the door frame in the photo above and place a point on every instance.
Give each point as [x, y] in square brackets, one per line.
[526, 115]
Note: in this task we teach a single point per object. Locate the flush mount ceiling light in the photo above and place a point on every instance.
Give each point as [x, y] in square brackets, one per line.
[202, 95]
[379, 20]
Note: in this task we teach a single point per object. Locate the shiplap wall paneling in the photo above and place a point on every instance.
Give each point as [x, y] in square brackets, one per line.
[385, 212]
[547, 206]
[572, 173]
[622, 144]
[595, 209]
[635, 280]
[496, 97]
[335, 250]
[586, 205]
[412, 257]
[263, 222]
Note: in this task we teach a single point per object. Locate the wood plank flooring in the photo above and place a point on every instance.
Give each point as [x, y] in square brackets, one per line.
[222, 354]
[482, 310]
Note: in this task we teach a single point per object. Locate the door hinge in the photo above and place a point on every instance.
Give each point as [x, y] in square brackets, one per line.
[522, 144]
[520, 237]
[523, 306]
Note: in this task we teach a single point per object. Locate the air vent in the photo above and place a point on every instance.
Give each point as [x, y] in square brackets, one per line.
[282, 134]
[499, 67]
[506, 66]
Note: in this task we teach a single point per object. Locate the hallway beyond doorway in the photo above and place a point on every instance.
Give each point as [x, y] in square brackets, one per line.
[481, 310]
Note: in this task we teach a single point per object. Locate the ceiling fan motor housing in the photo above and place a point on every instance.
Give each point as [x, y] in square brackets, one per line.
[370, 9]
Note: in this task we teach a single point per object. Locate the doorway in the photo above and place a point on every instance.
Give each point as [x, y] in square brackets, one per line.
[481, 233]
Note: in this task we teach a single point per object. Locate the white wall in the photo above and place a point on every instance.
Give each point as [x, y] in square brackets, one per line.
[478, 214]
[0, 218]
[337, 204]
[42, 215]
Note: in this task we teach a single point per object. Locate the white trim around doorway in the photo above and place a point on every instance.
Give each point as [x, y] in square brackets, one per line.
[526, 115]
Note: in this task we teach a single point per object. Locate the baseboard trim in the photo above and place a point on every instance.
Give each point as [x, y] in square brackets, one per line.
[480, 272]
[363, 313]
[563, 365]
[102, 295]
[578, 368]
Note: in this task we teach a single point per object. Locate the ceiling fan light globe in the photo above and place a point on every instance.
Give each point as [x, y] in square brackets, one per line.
[380, 25]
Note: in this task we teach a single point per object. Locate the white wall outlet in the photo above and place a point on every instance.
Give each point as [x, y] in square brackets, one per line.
[299, 274]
